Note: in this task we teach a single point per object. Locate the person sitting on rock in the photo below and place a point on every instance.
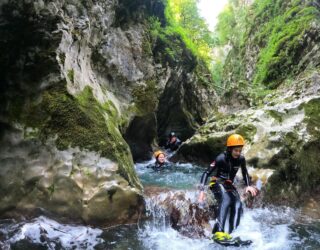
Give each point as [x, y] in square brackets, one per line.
[226, 166]
[173, 142]
[160, 162]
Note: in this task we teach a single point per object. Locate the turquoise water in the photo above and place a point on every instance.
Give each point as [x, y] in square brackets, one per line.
[176, 176]
[269, 227]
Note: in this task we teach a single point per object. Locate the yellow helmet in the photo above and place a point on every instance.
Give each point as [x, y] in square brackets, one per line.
[157, 153]
[235, 140]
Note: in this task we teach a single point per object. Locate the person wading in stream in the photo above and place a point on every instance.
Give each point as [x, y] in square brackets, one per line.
[160, 163]
[173, 142]
[226, 166]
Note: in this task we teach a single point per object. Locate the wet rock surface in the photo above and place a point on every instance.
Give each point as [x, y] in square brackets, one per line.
[80, 77]
[181, 210]
[282, 135]
[72, 185]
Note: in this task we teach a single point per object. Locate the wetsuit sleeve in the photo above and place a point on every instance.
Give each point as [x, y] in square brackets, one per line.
[207, 173]
[178, 142]
[245, 173]
[150, 166]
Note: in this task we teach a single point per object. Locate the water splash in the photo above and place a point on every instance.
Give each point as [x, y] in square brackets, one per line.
[51, 234]
[268, 228]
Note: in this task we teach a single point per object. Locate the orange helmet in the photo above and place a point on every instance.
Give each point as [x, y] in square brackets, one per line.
[235, 140]
[157, 153]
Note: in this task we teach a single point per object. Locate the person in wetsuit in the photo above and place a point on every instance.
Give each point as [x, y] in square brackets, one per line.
[160, 162]
[226, 166]
[173, 142]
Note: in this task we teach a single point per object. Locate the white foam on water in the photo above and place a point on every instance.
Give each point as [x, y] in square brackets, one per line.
[169, 238]
[268, 228]
[265, 234]
[68, 236]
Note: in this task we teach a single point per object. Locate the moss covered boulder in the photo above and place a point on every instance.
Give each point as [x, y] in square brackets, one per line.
[71, 185]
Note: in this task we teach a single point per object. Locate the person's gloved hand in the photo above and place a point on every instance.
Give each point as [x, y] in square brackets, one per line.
[252, 190]
[213, 181]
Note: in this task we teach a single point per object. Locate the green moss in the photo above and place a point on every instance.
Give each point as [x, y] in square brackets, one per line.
[276, 39]
[87, 172]
[62, 57]
[309, 169]
[312, 119]
[282, 41]
[276, 115]
[71, 75]
[298, 176]
[247, 131]
[298, 170]
[51, 190]
[145, 97]
[80, 121]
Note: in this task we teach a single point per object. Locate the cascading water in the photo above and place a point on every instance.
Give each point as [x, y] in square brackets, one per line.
[174, 221]
[268, 228]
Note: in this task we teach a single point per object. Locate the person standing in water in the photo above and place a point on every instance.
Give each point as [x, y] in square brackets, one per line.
[226, 166]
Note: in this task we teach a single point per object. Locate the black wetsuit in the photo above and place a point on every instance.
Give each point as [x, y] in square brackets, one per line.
[173, 145]
[225, 193]
[157, 166]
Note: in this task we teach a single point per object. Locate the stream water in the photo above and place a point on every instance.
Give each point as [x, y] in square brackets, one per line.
[268, 227]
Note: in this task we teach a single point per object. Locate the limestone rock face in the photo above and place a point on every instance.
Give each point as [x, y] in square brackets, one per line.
[282, 134]
[81, 85]
[74, 184]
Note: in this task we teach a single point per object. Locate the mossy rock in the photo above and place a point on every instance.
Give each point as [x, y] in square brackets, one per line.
[145, 97]
[297, 163]
[282, 38]
[308, 161]
[275, 115]
[202, 148]
[247, 131]
[79, 121]
[112, 201]
[312, 113]
[297, 178]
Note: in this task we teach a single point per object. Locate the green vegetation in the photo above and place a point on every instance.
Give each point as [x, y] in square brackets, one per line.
[184, 19]
[268, 35]
[169, 45]
[283, 37]
[232, 23]
[230, 32]
[217, 75]
[184, 38]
